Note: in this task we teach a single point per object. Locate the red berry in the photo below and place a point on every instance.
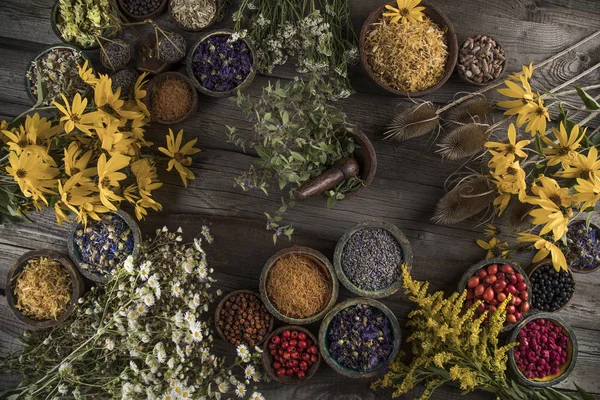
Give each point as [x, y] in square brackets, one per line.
[285, 334]
[492, 269]
[285, 344]
[524, 295]
[301, 374]
[510, 309]
[524, 307]
[294, 334]
[481, 307]
[273, 352]
[468, 303]
[305, 356]
[292, 363]
[500, 297]
[511, 319]
[507, 269]
[314, 358]
[295, 355]
[499, 286]
[281, 372]
[492, 308]
[488, 295]
[516, 301]
[472, 282]
[289, 371]
[482, 273]
[280, 352]
[287, 355]
[276, 365]
[470, 295]
[293, 342]
[272, 346]
[490, 279]
[301, 344]
[301, 336]
[521, 286]
[296, 369]
[303, 365]
[275, 339]
[313, 349]
[512, 279]
[479, 289]
[291, 349]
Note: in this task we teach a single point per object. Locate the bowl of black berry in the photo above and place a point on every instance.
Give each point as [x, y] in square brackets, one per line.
[551, 290]
[139, 10]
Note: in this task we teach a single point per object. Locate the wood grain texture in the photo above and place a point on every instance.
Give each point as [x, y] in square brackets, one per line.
[409, 181]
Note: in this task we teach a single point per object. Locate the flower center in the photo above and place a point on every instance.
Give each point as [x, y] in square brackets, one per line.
[179, 156]
[540, 111]
[404, 12]
[510, 149]
[555, 198]
[21, 173]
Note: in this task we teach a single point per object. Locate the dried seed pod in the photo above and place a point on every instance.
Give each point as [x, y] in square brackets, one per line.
[413, 122]
[464, 141]
[467, 199]
[476, 110]
[516, 216]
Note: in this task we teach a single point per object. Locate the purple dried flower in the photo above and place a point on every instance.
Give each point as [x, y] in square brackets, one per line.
[221, 65]
[583, 251]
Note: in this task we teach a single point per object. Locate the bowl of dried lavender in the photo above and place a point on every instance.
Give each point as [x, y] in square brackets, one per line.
[171, 98]
[221, 63]
[42, 288]
[194, 15]
[359, 337]
[98, 248]
[298, 285]
[583, 246]
[368, 258]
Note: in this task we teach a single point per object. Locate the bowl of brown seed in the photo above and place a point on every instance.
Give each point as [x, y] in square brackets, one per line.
[481, 60]
[194, 15]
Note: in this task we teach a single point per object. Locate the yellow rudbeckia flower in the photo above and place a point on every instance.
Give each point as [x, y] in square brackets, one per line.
[140, 94]
[506, 152]
[552, 190]
[178, 155]
[527, 73]
[494, 247]
[407, 11]
[75, 162]
[566, 147]
[34, 176]
[109, 177]
[555, 218]
[75, 116]
[522, 94]
[544, 248]
[581, 166]
[87, 74]
[588, 192]
[536, 118]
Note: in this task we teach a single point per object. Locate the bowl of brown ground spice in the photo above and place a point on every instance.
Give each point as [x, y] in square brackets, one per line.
[171, 98]
[298, 285]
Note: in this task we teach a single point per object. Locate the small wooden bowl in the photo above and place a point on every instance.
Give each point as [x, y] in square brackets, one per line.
[532, 269]
[597, 228]
[367, 160]
[29, 84]
[183, 28]
[158, 79]
[267, 359]
[153, 15]
[75, 256]
[465, 79]
[324, 341]
[77, 287]
[227, 93]
[339, 250]
[319, 259]
[565, 370]
[462, 284]
[55, 20]
[435, 15]
[222, 304]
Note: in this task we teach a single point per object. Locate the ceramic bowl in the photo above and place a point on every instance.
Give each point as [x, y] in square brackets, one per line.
[565, 370]
[462, 285]
[55, 19]
[76, 256]
[153, 15]
[433, 13]
[77, 287]
[227, 93]
[267, 359]
[157, 80]
[597, 229]
[207, 26]
[222, 304]
[324, 341]
[339, 250]
[326, 268]
[537, 265]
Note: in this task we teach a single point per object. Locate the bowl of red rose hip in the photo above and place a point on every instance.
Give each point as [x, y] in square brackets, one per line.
[491, 281]
[551, 290]
[546, 350]
[291, 355]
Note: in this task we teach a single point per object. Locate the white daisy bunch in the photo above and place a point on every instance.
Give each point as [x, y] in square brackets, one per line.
[144, 335]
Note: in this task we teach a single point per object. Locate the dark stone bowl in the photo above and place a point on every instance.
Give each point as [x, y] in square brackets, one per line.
[326, 267]
[158, 79]
[77, 287]
[339, 249]
[324, 345]
[220, 307]
[153, 15]
[565, 370]
[267, 359]
[76, 257]
[462, 284]
[532, 268]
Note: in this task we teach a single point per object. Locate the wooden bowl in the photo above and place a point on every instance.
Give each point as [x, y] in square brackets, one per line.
[132, 17]
[28, 83]
[565, 370]
[462, 284]
[267, 359]
[75, 256]
[77, 287]
[532, 268]
[316, 257]
[339, 249]
[158, 79]
[210, 23]
[227, 93]
[465, 79]
[55, 19]
[222, 304]
[367, 160]
[435, 15]
[324, 341]
[597, 228]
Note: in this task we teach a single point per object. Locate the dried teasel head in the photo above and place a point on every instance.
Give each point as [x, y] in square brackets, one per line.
[413, 122]
[516, 217]
[471, 196]
[476, 110]
[464, 141]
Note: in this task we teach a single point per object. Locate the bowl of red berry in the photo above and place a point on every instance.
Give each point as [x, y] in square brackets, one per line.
[491, 281]
[291, 355]
[546, 350]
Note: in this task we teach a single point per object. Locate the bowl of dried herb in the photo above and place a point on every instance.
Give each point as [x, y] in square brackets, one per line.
[368, 257]
[359, 337]
[298, 285]
[194, 15]
[42, 288]
[407, 56]
[171, 98]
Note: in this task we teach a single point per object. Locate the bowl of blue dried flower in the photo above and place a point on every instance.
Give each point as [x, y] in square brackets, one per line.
[368, 258]
[221, 64]
[98, 248]
[359, 338]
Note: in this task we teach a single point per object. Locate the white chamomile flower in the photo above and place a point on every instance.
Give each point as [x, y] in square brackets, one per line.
[134, 367]
[63, 389]
[190, 318]
[141, 309]
[240, 390]
[256, 377]
[153, 281]
[171, 363]
[243, 352]
[249, 371]
[196, 332]
[202, 271]
[65, 369]
[128, 265]
[198, 244]
[223, 387]
[165, 229]
[176, 289]
[186, 394]
[178, 319]
[76, 394]
[149, 299]
[169, 396]
[188, 267]
[109, 344]
[144, 271]
[257, 396]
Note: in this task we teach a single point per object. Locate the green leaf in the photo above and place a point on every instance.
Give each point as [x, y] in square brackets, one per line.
[262, 153]
[274, 238]
[583, 393]
[331, 200]
[588, 100]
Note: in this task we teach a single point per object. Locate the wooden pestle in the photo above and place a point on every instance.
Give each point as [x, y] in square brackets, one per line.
[343, 169]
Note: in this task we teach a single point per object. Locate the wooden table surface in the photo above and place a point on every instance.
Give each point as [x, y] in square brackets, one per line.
[409, 180]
